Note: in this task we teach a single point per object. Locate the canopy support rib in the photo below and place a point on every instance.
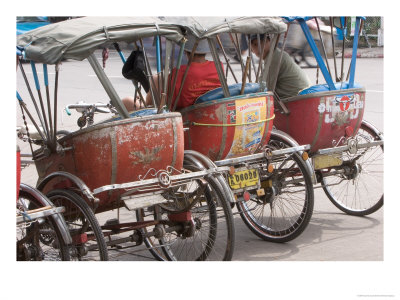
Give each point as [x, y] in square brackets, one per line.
[115, 100]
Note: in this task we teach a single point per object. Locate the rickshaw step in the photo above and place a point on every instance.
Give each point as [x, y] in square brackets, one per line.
[142, 200]
[247, 158]
[350, 147]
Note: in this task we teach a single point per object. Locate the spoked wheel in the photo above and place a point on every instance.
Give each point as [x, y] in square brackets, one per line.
[40, 239]
[285, 210]
[357, 186]
[197, 225]
[88, 239]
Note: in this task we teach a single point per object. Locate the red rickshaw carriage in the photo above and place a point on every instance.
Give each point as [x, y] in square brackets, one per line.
[346, 150]
[270, 175]
[133, 162]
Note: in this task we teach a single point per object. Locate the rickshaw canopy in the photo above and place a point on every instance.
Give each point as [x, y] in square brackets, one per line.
[78, 38]
[206, 27]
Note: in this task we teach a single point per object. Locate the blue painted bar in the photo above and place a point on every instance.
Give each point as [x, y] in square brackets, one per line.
[158, 54]
[19, 97]
[46, 78]
[35, 75]
[122, 56]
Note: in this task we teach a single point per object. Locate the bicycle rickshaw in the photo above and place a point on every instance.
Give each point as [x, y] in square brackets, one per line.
[269, 172]
[269, 175]
[345, 149]
[137, 162]
[42, 233]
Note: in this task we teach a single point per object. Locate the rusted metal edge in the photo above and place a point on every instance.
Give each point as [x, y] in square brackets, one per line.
[120, 122]
[80, 184]
[224, 133]
[346, 147]
[322, 94]
[175, 179]
[247, 158]
[175, 149]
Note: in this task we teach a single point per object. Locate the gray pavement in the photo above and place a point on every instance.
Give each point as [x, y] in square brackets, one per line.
[331, 234]
[373, 52]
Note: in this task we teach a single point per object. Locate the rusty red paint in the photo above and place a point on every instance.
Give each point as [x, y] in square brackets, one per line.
[79, 239]
[321, 121]
[180, 217]
[119, 152]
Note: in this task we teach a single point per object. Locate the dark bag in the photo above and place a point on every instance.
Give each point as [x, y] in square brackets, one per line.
[134, 68]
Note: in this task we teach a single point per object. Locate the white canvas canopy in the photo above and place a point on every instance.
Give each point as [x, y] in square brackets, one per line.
[78, 38]
[204, 27]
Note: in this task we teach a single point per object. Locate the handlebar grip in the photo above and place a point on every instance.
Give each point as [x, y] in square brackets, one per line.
[67, 110]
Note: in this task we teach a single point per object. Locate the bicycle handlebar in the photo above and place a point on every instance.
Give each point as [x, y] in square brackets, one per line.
[81, 107]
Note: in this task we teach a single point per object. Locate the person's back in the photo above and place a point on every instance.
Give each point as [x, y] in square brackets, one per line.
[201, 78]
[291, 78]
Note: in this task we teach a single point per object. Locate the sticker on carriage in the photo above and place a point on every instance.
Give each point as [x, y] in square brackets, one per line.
[340, 109]
[231, 113]
[247, 137]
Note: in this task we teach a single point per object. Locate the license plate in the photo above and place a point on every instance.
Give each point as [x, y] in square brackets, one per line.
[242, 179]
[326, 161]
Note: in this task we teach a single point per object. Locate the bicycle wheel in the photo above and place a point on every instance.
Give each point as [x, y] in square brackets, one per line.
[151, 243]
[357, 188]
[285, 210]
[40, 239]
[202, 231]
[88, 239]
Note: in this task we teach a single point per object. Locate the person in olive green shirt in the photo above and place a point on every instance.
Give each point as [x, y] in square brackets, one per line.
[291, 78]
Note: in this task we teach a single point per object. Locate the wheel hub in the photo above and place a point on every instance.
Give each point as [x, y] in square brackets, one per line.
[351, 172]
[270, 195]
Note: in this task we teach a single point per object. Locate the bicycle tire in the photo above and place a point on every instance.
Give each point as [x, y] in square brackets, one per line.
[42, 241]
[363, 200]
[82, 223]
[281, 217]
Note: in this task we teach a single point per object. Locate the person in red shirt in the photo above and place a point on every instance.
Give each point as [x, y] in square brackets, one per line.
[202, 77]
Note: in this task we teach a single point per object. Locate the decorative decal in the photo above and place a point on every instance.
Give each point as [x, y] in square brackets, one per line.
[150, 155]
[344, 101]
[247, 137]
[340, 109]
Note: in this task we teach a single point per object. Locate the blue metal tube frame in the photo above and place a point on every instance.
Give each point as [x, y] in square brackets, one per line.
[158, 54]
[45, 74]
[35, 75]
[122, 56]
[316, 53]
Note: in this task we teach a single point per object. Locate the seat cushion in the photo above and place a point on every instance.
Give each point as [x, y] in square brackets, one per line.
[234, 90]
[325, 88]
